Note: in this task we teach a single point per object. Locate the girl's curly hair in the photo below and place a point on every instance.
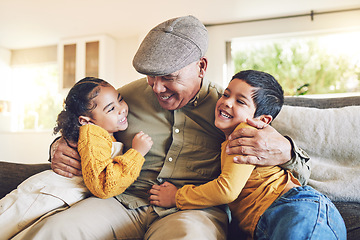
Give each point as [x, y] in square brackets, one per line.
[78, 103]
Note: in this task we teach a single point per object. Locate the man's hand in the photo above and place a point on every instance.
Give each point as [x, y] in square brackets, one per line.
[65, 159]
[262, 146]
[163, 195]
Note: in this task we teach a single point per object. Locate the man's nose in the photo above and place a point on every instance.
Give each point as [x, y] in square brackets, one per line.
[158, 85]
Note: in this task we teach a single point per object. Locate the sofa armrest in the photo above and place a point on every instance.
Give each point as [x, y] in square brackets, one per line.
[12, 174]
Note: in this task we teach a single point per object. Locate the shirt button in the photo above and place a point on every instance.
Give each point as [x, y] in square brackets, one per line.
[170, 159]
[177, 130]
[160, 180]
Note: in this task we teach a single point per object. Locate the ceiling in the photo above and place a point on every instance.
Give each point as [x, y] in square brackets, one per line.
[34, 23]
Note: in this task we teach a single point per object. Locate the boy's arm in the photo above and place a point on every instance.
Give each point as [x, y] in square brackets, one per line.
[222, 190]
[264, 146]
[225, 189]
[105, 176]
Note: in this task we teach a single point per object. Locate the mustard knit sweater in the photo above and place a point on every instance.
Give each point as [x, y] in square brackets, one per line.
[104, 176]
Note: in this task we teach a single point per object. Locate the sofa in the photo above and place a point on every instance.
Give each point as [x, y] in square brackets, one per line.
[327, 129]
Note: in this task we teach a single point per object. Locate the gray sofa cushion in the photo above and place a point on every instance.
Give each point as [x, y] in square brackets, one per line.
[350, 211]
[322, 103]
[12, 174]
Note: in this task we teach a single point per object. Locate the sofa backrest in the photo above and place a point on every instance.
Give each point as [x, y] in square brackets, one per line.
[323, 103]
[328, 130]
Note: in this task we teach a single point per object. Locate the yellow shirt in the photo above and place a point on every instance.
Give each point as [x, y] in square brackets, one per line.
[105, 176]
[249, 190]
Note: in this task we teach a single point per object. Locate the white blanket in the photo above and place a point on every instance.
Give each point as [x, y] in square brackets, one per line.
[332, 139]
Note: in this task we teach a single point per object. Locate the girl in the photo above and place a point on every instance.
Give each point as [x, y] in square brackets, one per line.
[93, 111]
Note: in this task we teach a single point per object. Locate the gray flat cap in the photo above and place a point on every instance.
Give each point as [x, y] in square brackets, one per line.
[170, 46]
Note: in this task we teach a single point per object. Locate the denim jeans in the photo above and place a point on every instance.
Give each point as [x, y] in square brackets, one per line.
[301, 213]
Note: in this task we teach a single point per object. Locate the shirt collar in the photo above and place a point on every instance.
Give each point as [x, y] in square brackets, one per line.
[200, 95]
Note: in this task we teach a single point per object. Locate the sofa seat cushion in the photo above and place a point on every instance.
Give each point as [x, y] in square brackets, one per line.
[350, 211]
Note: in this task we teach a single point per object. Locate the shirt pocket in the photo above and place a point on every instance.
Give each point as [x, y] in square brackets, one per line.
[203, 156]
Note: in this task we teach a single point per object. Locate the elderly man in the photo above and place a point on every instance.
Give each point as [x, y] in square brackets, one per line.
[175, 105]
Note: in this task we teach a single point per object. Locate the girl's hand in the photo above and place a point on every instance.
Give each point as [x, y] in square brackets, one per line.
[142, 143]
[163, 195]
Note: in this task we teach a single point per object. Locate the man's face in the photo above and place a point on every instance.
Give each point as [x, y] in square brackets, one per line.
[175, 90]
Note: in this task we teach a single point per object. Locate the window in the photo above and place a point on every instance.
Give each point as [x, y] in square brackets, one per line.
[308, 27]
[35, 99]
[304, 64]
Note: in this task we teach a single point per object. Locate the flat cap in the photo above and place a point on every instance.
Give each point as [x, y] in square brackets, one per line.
[170, 46]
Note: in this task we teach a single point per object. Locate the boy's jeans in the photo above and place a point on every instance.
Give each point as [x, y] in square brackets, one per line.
[301, 213]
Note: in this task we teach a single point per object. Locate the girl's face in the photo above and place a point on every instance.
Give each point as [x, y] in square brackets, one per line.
[235, 106]
[111, 110]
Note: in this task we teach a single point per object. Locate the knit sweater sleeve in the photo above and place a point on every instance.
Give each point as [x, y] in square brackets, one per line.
[222, 190]
[104, 176]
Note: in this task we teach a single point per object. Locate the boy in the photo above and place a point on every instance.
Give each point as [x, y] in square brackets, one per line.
[268, 202]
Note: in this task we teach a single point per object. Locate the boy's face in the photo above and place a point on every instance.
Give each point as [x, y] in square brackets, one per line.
[111, 110]
[235, 106]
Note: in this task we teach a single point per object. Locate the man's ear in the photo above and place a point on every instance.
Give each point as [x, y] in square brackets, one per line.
[266, 118]
[84, 120]
[203, 66]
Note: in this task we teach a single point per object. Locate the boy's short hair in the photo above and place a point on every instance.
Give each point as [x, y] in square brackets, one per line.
[268, 95]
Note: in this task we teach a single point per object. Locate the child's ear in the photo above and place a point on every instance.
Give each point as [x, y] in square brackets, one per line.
[83, 120]
[266, 118]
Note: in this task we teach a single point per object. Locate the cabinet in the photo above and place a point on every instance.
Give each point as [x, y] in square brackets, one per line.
[86, 57]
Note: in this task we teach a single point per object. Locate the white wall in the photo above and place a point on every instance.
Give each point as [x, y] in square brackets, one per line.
[5, 58]
[126, 49]
[25, 147]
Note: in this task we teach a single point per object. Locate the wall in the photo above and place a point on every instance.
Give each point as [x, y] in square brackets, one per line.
[25, 147]
[5, 58]
[126, 49]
